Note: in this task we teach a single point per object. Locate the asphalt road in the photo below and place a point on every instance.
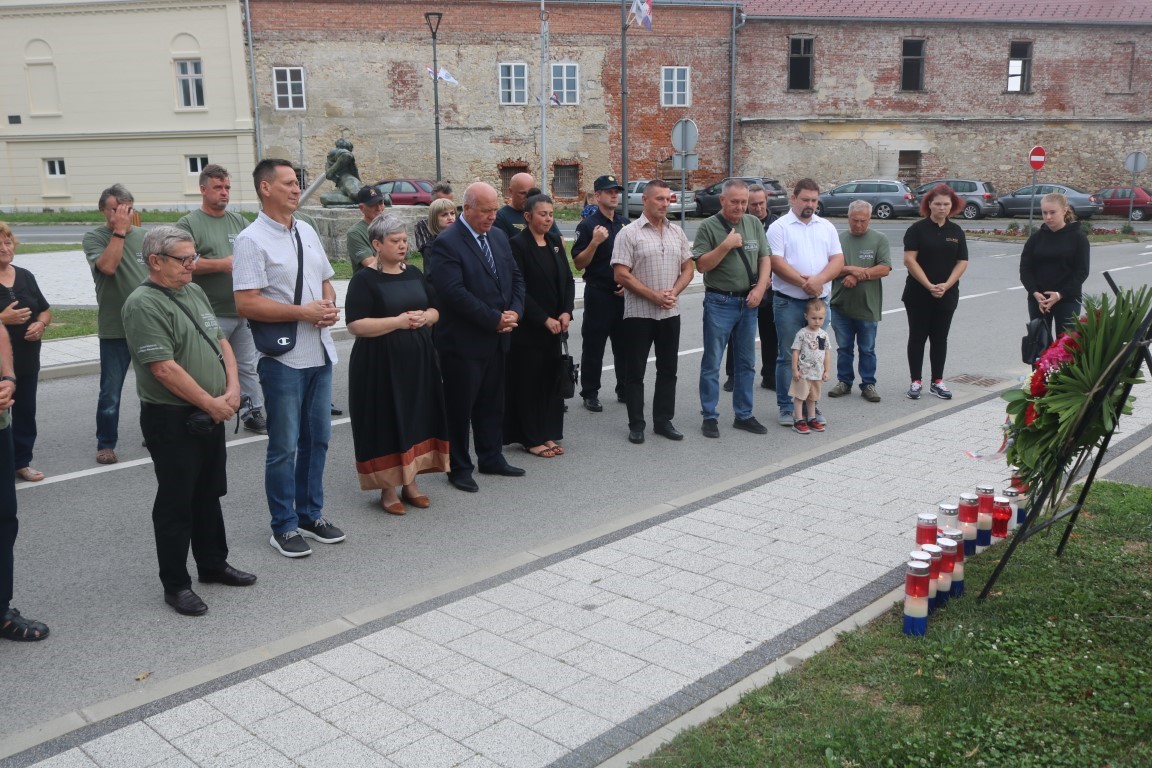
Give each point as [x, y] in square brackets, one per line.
[85, 557]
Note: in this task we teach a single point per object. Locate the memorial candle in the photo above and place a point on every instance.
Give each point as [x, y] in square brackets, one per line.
[937, 596]
[925, 528]
[1013, 496]
[968, 516]
[1001, 516]
[946, 515]
[984, 494]
[983, 531]
[958, 566]
[916, 598]
[947, 568]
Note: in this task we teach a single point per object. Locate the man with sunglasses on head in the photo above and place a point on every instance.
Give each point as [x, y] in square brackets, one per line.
[188, 386]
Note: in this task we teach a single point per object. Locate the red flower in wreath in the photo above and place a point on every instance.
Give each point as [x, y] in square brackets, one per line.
[1039, 386]
[1030, 414]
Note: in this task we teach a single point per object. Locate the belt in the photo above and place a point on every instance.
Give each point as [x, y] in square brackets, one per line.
[733, 294]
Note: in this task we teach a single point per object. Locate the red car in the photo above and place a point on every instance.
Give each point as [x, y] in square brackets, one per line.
[1118, 199]
[407, 191]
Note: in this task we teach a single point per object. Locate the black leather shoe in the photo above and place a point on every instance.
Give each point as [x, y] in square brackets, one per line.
[228, 576]
[768, 384]
[505, 471]
[728, 385]
[336, 411]
[464, 483]
[186, 602]
[667, 430]
[709, 428]
[621, 399]
[636, 436]
[593, 404]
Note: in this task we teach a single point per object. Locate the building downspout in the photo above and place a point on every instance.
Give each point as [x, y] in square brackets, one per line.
[738, 19]
[252, 77]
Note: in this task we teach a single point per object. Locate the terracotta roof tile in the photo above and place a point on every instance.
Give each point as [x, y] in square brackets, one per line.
[1053, 11]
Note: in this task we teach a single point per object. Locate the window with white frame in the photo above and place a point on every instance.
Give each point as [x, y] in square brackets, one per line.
[566, 83]
[1019, 67]
[189, 83]
[675, 87]
[54, 168]
[289, 87]
[196, 164]
[513, 83]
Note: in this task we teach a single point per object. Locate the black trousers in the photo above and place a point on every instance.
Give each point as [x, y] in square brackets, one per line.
[9, 525]
[766, 326]
[474, 401]
[603, 314]
[640, 336]
[24, 418]
[191, 477]
[929, 320]
[1063, 314]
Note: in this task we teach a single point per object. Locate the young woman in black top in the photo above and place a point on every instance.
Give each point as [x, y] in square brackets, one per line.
[1054, 265]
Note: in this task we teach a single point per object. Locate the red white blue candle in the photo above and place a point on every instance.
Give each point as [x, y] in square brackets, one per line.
[947, 568]
[969, 516]
[958, 565]
[936, 594]
[925, 528]
[984, 493]
[916, 598]
[1013, 497]
[1001, 517]
[946, 517]
[983, 531]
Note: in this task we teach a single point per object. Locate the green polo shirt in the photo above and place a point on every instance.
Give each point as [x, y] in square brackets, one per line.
[112, 290]
[359, 245]
[731, 274]
[866, 301]
[214, 236]
[158, 330]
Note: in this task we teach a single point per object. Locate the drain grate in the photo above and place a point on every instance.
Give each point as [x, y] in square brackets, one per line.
[976, 381]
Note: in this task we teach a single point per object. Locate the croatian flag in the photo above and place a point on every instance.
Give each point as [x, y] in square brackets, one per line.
[642, 12]
[555, 100]
[444, 75]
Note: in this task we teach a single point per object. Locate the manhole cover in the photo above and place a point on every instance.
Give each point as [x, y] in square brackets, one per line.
[976, 381]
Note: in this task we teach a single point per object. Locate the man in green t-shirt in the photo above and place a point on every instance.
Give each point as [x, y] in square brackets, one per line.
[857, 301]
[731, 250]
[115, 253]
[188, 386]
[360, 250]
[214, 229]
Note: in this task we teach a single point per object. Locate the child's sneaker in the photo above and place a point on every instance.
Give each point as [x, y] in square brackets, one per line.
[800, 427]
[815, 426]
[940, 390]
[914, 390]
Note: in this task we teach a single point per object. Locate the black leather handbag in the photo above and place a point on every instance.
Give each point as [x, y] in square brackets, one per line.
[569, 372]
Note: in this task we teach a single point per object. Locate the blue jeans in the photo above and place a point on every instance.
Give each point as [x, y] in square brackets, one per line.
[297, 404]
[789, 314]
[851, 333]
[114, 364]
[726, 316]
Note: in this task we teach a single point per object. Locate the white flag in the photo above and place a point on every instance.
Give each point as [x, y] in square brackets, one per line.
[641, 11]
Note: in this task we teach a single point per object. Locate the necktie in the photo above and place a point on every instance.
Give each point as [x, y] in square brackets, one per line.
[488, 255]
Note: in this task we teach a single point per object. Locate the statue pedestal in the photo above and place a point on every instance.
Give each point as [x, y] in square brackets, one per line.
[332, 224]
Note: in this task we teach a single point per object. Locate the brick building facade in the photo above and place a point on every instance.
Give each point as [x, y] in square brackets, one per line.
[920, 91]
[361, 67]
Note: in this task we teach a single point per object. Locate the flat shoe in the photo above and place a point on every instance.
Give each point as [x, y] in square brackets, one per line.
[29, 474]
[395, 508]
[228, 576]
[106, 456]
[464, 483]
[13, 626]
[186, 602]
[420, 502]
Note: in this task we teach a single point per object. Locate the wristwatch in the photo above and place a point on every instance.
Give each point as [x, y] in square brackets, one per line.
[122, 237]
[8, 378]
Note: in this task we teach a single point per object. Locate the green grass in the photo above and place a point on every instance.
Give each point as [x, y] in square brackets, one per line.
[45, 248]
[1053, 670]
[71, 322]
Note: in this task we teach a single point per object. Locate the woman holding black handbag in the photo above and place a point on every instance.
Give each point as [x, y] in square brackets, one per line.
[534, 406]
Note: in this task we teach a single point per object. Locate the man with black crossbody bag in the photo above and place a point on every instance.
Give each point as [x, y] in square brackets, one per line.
[188, 386]
[731, 251]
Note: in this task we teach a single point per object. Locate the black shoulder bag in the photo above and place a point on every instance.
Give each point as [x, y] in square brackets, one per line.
[752, 277]
[569, 372]
[274, 339]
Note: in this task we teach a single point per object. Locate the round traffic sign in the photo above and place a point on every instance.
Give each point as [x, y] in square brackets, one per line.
[1036, 158]
[685, 135]
[1136, 162]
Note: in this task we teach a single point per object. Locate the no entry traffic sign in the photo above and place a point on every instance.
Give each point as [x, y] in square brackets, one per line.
[1037, 157]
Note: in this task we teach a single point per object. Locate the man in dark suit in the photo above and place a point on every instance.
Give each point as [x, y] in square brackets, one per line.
[480, 295]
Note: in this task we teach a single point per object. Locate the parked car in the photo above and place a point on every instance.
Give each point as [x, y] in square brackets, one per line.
[681, 201]
[708, 199]
[889, 198]
[979, 196]
[406, 191]
[1084, 205]
[1117, 201]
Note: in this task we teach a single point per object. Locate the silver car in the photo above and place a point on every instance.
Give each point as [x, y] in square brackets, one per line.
[1018, 203]
[889, 198]
[979, 196]
[681, 201]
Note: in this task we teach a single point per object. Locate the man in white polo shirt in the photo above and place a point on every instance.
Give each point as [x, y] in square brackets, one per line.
[806, 256]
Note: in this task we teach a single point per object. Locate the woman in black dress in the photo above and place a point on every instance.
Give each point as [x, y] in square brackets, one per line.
[533, 409]
[936, 254]
[25, 314]
[396, 401]
[1054, 265]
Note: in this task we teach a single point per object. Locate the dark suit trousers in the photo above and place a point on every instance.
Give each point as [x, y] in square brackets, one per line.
[603, 314]
[641, 335]
[474, 399]
[8, 523]
[190, 479]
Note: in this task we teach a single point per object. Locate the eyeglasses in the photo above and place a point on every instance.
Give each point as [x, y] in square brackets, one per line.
[185, 261]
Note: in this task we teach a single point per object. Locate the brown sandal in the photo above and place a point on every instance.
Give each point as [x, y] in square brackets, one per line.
[29, 474]
[542, 452]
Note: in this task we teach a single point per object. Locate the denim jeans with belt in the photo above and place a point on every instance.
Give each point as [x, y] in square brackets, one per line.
[298, 406]
[728, 316]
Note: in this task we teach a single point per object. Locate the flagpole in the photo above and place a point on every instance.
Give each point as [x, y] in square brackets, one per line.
[544, 98]
[433, 21]
[624, 102]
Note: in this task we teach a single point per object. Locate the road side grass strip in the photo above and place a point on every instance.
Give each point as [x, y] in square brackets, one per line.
[67, 323]
[1053, 670]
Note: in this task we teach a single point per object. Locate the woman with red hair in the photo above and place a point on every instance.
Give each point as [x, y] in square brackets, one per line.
[936, 254]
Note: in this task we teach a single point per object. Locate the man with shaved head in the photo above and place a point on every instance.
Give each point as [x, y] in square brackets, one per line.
[510, 219]
[481, 299]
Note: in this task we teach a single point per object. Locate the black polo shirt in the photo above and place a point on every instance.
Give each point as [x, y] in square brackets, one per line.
[599, 271]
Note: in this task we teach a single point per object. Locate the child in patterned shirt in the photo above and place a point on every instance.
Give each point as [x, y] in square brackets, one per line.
[811, 359]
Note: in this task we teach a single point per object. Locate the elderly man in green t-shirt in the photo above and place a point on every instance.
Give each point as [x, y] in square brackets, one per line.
[857, 301]
[188, 386]
[731, 250]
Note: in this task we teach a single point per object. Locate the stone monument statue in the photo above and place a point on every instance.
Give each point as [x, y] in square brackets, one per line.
[340, 168]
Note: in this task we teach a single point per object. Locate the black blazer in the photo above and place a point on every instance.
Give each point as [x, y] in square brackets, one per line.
[546, 295]
[469, 298]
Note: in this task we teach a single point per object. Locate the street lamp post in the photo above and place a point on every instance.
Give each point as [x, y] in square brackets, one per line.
[433, 21]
